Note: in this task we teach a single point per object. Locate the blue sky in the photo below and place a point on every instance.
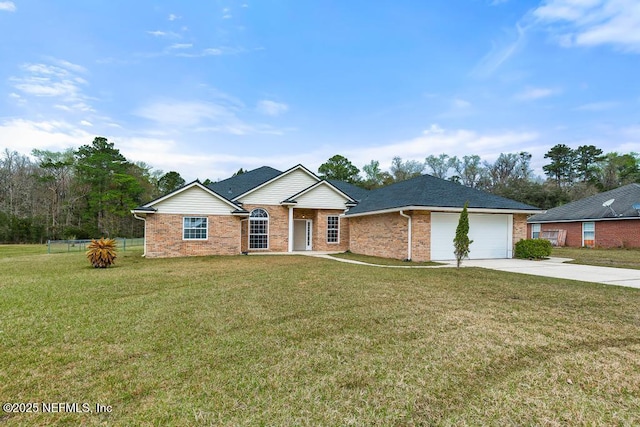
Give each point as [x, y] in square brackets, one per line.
[207, 87]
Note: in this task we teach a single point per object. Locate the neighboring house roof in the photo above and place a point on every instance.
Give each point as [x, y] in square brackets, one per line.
[591, 208]
[240, 184]
[426, 191]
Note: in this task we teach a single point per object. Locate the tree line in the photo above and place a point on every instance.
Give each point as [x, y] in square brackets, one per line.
[88, 192]
[571, 174]
[82, 193]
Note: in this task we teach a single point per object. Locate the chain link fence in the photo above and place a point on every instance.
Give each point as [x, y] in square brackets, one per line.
[80, 245]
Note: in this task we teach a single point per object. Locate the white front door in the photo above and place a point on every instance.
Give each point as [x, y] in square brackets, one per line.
[302, 235]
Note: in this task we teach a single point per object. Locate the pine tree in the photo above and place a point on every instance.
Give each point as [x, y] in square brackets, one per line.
[461, 242]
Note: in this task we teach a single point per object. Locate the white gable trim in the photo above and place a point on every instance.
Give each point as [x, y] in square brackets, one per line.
[285, 173]
[313, 187]
[187, 187]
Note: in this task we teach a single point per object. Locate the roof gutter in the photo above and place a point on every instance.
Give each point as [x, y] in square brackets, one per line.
[447, 209]
[135, 215]
[409, 238]
[551, 221]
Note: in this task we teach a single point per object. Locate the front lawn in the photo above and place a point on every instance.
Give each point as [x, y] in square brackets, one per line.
[294, 340]
[383, 261]
[21, 250]
[621, 258]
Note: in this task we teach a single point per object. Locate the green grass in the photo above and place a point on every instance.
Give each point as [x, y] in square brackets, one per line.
[621, 258]
[383, 261]
[21, 250]
[294, 340]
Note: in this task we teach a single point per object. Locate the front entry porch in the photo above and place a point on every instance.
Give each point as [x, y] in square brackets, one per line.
[301, 229]
[302, 235]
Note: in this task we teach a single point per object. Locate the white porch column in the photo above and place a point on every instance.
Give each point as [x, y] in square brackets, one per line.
[290, 229]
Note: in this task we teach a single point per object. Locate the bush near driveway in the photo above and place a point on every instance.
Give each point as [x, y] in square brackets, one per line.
[533, 248]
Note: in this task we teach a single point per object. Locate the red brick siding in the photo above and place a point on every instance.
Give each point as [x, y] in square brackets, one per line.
[420, 236]
[386, 235]
[279, 228]
[617, 234]
[520, 229]
[383, 235]
[609, 234]
[574, 231]
[163, 236]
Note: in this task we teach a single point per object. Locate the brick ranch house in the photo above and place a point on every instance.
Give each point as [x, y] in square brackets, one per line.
[608, 220]
[265, 210]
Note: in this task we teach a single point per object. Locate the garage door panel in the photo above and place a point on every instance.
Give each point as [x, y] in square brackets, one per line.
[489, 232]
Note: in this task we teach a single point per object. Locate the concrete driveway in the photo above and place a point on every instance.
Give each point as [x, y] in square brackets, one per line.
[554, 267]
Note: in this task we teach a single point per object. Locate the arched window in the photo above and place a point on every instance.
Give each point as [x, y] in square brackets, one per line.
[259, 229]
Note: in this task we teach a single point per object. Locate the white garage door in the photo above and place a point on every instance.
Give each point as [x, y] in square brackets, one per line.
[491, 235]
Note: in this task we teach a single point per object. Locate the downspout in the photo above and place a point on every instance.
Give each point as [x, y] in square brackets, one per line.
[144, 252]
[409, 239]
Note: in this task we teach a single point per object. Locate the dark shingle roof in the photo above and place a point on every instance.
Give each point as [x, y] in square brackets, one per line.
[239, 184]
[591, 207]
[427, 190]
[353, 191]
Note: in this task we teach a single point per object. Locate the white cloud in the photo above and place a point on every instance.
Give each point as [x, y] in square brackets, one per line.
[593, 22]
[164, 34]
[183, 113]
[44, 80]
[57, 82]
[461, 103]
[68, 65]
[212, 51]
[199, 117]
[536, 93]
[42, 87]
[24, 135]
[173, 17]
[7, 6]
[456, 142]
[501, 52]
[271, 108]
[598, 106]
[181, 46]
[86, 123]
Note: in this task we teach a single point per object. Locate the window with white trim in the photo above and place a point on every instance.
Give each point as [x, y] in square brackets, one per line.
[589, 234]
[259, 229]
[333, 229]
[194, 228]
[535, 231]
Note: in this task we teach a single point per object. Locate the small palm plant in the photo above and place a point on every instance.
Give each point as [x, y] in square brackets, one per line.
[102, 253]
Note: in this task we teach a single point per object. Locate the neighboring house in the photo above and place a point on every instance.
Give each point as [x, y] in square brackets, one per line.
[265, 210]
[608, 219]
